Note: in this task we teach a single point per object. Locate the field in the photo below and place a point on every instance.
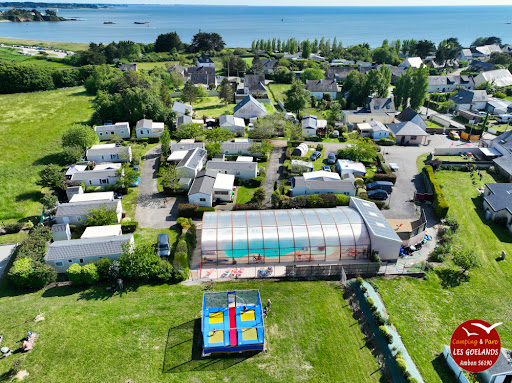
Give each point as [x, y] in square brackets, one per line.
[279, 90]
[212, 107]
[151, 65]
[9, 54]
[49, 44]
[426, 312]
[32, 124]
[150, 334]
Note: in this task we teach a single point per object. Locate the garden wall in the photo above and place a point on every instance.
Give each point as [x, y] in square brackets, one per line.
[453, 366]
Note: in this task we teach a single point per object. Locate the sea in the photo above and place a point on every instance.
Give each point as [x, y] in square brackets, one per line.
[240, 25]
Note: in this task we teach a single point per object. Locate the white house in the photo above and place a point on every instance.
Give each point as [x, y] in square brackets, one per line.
[106, 132]
[243, 170]
[484, 52]
[443, 84]
[205, 61]
[89, 197]
[311, 124]
[73, 169]
[319, 88]
[209, 187]
[310, 183]
[414, 62]
[148, 128]
[234, 124]
[102, 175]
[407, 133]
[109, 153]
[470, 99]
[192, 163]
[62, 254]
[408, 114]
[75, 213]
[240, 147]
[223, 188]
[350, 167]
[102, 231]
[373, 129]
[498, 77]
[182, 109]
[186, 145]
[249, 107]
[465, 55]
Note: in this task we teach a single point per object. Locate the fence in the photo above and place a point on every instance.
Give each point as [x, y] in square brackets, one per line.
[455, 151]
[329, 271]
[467, 137]
[459, 374]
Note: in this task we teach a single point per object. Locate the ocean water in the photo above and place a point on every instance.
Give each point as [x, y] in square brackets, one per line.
[240, 25]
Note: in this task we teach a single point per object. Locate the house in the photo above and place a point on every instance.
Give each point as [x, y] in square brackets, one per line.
[484, 52]
[73, 169]
[254, 85]
[183, 119]
[330, 183]
[91, 197]
[102, 231]
[109, 153]
[237, 147]
[62, 254]
[499, 372]
[75, 213]
[344, 167]
[503, 144]
[413, 62]
[182, 109]
[498, 106]
[106, 132]
[126, 67]
[497, 203]
[242, 170]
[470, 99]
[465, 55]
[301, 150]
[234, 124]
[507, 49]
[192, 163]
[373, 129]
[407, 133]
[71, 191]
[201, 75]
[338, 73]
[396, 72]
[299, 166]
[61, 232]
[205, 61]
[409, 114]
[311, 124]
[376, 105]
[376, 109]
[185, 145]
[342, 62]
[210, 186]
[180, 69]
[104, 174]
[498, 77]
[480, 65]
[319, 88]
[148, 128]
[442, 84]
[249, 107]
[269, 66]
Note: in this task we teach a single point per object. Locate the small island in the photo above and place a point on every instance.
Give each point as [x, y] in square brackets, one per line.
[31, 5]
[25, 15]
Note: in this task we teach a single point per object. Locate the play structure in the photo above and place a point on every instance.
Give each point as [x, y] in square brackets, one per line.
[232, 321]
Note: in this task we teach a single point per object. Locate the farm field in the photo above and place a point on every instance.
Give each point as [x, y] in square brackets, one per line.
[150, 334]
[49, 44]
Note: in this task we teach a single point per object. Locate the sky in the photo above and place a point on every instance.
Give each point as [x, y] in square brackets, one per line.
[305, 2]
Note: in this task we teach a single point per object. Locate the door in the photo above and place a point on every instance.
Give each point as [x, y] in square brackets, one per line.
[402, 140]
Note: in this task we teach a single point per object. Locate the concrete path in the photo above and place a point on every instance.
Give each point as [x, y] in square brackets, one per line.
[150, 211]
[273, 171]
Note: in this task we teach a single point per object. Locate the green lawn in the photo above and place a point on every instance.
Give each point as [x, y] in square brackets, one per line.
[320, 161]
[31, 127]
[499, 127]
[454, 158]
[279, 91]
[151, 235]
[49, 44]
[151, 65]
[150, 334]
[432, 124]
[244, 194]
[11, 55]
[212, 107]
[426, 312]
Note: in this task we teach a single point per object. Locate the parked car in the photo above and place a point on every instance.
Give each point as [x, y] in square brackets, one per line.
[381, 185]
[326, 168]
[315, 155]
[331, 158]
[335, 133]
[454, 135]
[164, 249]
[378, 194]
[483, 114]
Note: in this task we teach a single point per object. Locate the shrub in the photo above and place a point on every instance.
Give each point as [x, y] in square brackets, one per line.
[180, 263]
[499, 94]
[370, 301]
[374, 257]
[402, 366]
[90, 274]
[438, 255]
[379, 318]
[103, 266]
[129, 226]
[12, 228]
[75, 275]
[359, 182]
[342, 200]
[328, 200]
[441, 205]
[182, 246]
[359, 281]
[256, 182]
[201, 210]
[386, 142]
[391, 177]
[410, 379]
[385, 333]
[187, 210]
[143, 264]
[319, 147]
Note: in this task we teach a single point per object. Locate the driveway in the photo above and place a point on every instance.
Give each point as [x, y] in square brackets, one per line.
[273, 171]
[151, 211]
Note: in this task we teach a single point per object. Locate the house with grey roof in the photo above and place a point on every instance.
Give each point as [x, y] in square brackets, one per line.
[182, 109]
[254, 85]
[232, 123]
[240, 169]
[107, 132]
[185, 145]
[497, 203]
[104, 174]
[377, 105]
[465, 55]
[503, 145]
[205, 61]
[311, 124]
[484, 52]
[302, 185]
[180, 69]
[109, 153]
[319, 88]
[499, 372]
[210, 186]
[470, 99]
[61, 232]
[338, 73]
[148, 128]
[409, 114]
[75, 213]
[249, 108]
[192, 163]
[407, 133]
[201, 75]
[269, 65]
[481, 65]
[62, 254]
[373, 129]
[375, 109]
[128, 67]
[443, 84]
[238, 148]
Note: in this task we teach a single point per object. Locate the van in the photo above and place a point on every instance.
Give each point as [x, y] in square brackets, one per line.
[380, 185]
[504, 118]
[335, 133]
[164, 249]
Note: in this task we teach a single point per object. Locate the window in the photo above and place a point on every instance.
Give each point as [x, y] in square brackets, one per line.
[59, 264]
[101, 134]
[202, 199]
[239, 152]
[376, 107]
[70, 260]
[413, 137]
[90, 182]
[81, 260]
[221, 192]
[122, 131]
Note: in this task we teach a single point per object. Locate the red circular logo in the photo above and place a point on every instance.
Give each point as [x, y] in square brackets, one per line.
[475, 345]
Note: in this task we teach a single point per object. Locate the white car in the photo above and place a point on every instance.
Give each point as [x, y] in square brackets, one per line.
[394, 166]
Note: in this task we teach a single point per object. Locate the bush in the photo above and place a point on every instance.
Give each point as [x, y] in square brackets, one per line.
[201, 210]
[103, 266]
[441, 205]
[410, 379]
[255, 182]
[129, 226]
[438, 255]
[328, 200]
[319, 147]
[499, 94]
[359, 281]
[342, 200]
[402, 366]
[359, 182]
[370, 301]
[180, 263]
[391, 177]
[374, 257]
[90, 274]
[75, 275]
[386, 142]
[12, 228]
[379, 318]
[182, 246]
[385, 333]
[187, 210]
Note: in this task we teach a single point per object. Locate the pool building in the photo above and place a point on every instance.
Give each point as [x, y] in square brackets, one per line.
[298, 235]
[232, 321]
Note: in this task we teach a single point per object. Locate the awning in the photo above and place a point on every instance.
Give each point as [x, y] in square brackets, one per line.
[490, 152]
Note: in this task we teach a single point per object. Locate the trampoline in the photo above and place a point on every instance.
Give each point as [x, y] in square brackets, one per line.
[232, 321]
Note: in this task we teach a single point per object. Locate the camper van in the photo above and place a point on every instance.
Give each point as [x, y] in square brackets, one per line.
[504, 118]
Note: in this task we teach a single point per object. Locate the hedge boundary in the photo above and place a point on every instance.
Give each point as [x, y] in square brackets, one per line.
[441, 205]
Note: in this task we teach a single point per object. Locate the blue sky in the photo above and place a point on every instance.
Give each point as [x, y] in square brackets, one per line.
[309, 2]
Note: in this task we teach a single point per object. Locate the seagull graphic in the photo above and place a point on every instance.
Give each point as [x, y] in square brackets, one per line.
[487, 329]
[469, 333]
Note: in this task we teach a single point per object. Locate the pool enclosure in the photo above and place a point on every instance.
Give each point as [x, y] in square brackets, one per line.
[295, 235]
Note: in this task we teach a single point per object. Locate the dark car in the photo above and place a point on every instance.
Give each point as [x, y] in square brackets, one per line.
[331, 158]
[315, 156]
[383, 185]
[378, 194]
[164, 249]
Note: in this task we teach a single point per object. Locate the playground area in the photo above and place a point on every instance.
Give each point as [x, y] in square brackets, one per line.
[232, 321]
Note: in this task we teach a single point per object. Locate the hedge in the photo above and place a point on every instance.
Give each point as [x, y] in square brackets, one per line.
[187, 210]
[12, 228]
[129, 226]
[180, 263]
[391, 177]
[256, 182]
[441, 205]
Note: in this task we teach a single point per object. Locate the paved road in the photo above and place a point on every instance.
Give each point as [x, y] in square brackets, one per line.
[150, 211]
[273, 171]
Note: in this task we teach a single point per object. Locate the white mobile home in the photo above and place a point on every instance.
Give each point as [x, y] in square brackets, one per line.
[106, 132]
[109, 153]
[75, 213]
[102, 175]
[192, 163]
[242, 170]
[148, 129]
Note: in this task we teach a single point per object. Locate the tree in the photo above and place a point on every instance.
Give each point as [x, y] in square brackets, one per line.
[263, 148]
[419, 87]
[363, 149]
[226, 91]
[101, 216]
[259, 195]
[384, 55]
[283, 76]
[500, 58]
[446, 51]
[218, 134]
[293, 131]
[190, 92]
[170, 178]
[403, 89]
[50, 176]
[306, 49]
[72, 154]
[356, 85]
[334, 113]
[257, 65]
[486, 41]
[297, 97]
[313, 74]
[126, 176]
[202, 42]
[424, 48]
[212, 148]
[167, 42]
[165, 140]
[142, 263]
[189, 130]
[49, 201]
[81, 136]
[378, 81]
[465, 259]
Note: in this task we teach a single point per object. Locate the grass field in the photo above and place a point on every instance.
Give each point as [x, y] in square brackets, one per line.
[279, 91]
[212, 107]
[426, 312]
[49, 44]
[150, 334]
[10, 55]
[31, 127]
[151, 65]
[244, 194]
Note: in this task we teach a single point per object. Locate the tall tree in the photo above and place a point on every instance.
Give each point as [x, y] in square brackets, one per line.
[206, 42]
[51, 177]
[313, 74]
[225, 91]
[424, 48]
[190, 92]
[378, 81]
[419, 87]
[165, 142]
[167, 41]
[357, 88]
[189, 130]
[403, 89]
[306, 49]
[296, 97]
[257, 65]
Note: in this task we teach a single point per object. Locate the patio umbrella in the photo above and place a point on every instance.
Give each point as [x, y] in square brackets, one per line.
[469, 144]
